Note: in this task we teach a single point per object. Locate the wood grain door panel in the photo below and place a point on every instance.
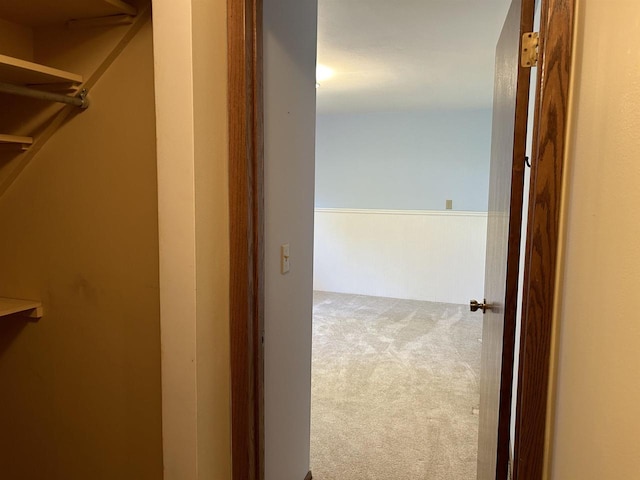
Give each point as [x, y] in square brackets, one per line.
[508, 144]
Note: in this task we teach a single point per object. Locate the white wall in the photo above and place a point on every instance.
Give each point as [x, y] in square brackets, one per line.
[289, 120]
[420, 255]
[190, 54]
[411, 160]
[597, 415]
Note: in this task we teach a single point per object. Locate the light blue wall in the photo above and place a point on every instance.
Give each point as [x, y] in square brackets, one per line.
[289, 134]
[404, 160]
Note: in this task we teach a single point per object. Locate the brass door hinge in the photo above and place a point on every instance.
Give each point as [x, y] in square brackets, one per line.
[529, 53]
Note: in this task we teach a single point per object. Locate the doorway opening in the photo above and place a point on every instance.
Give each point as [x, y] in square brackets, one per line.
[403, 146]
[270, 335]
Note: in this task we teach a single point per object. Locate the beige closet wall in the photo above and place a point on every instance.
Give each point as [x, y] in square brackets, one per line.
[16, 40]
[597, 417]
[81, 394]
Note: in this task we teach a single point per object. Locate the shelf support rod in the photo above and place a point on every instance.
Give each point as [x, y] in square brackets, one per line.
[80, 100]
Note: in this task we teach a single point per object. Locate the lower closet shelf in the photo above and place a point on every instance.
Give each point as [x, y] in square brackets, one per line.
[31, 308]
[15, 140]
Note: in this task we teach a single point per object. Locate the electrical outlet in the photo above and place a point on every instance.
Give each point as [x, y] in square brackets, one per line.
[285, 265]
[449, 205]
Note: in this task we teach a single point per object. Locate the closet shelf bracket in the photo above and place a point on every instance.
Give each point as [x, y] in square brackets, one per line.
[81, 100]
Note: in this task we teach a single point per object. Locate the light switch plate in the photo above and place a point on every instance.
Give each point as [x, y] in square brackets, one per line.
[285, 264]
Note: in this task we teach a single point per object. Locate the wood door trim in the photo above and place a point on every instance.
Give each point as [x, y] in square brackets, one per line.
[549, 137]
[246, 212]
[513, 256]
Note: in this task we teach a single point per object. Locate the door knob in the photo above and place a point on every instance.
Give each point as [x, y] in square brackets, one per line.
[474, 306]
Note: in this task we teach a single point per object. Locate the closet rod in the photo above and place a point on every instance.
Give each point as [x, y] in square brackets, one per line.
[80, 101]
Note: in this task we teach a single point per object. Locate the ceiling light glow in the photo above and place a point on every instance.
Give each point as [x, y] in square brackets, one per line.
[323, 72]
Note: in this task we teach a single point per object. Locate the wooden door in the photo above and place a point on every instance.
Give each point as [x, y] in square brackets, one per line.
[510, 105]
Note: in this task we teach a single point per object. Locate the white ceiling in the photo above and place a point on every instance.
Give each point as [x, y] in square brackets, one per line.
[392, 55]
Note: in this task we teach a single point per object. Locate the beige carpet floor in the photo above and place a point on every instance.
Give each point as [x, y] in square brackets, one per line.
[394, 389]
